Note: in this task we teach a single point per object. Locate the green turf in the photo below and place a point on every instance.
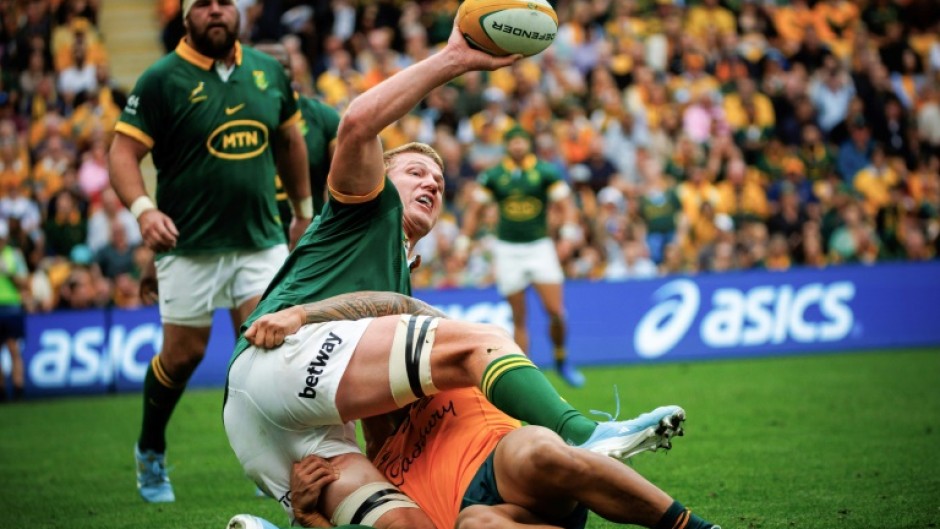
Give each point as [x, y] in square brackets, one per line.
[848, 440]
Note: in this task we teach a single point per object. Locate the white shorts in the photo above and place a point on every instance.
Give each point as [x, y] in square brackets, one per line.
[193, 286]
[520, 264]
[280, 405]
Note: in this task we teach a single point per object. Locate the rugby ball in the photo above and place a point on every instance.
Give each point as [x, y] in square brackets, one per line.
[505, 27]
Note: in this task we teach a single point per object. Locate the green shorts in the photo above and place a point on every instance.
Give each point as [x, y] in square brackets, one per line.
[482, 491]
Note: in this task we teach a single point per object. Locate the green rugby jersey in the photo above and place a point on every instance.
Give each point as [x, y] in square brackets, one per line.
[660, 210]
[319, 125]
[349, 247]
[522, 193]
[211, 145]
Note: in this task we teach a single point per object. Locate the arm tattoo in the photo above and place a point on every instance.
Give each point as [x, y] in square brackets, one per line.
[367, 304]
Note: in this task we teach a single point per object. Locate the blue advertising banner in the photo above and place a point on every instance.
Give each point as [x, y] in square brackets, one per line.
[738, 314]
[735, 314]
[99, 351]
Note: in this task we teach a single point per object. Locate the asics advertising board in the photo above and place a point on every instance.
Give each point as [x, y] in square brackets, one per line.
[738, 314]
[100, 351]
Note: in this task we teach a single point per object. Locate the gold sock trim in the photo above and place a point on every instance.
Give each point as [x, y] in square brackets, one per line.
[161, 375]
[499, 367]
[683, 520]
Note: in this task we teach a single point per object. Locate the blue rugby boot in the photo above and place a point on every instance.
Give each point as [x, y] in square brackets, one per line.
[650, 431]
[152, 481]
[571, 375]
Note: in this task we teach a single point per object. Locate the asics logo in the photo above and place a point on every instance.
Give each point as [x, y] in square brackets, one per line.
[762, 315]
[668, 322]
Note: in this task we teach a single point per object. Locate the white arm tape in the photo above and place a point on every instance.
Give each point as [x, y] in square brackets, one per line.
[559, 191]
[142, 204]
[369, 502]
[409, 365]
[302, 208]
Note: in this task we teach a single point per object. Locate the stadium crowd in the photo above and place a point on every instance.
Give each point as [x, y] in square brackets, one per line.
[698, 136]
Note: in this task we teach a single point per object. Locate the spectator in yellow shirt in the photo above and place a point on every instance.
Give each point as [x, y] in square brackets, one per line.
[735, 102]
[708, 18]
[695, 192]
[875, 181]
[741, 194]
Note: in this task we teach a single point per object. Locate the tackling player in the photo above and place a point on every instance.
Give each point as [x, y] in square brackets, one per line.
[318, 126]
[466, 464]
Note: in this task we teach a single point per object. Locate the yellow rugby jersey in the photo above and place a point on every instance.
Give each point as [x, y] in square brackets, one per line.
[435, 453]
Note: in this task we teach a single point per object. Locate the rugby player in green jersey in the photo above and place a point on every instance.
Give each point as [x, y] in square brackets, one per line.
[294, 386]
[220, 120]
[318, 126]
[523, 187]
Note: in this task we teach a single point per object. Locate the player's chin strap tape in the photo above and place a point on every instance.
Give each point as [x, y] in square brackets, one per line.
[409, 366]
[369, 502]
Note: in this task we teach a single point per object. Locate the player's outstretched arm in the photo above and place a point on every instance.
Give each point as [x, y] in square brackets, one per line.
[358, 168]
[270, 330]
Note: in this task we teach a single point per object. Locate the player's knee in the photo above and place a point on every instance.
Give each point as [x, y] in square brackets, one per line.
[181, 362]
[478, 517]
[550, 459]
[494, 341]
[497, 333]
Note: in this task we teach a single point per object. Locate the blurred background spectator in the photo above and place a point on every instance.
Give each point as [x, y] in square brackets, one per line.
[698, 135]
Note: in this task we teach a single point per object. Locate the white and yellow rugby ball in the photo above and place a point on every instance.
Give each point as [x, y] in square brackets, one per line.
[505, 27]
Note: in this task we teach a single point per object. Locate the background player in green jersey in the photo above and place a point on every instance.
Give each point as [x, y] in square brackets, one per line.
[220, 120]
[523, 188]
[318, 126]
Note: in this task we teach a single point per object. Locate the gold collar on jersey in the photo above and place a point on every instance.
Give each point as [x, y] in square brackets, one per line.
[528, 163]
[190, 55]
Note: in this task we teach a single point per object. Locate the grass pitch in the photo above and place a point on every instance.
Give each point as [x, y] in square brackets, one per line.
[845, 440]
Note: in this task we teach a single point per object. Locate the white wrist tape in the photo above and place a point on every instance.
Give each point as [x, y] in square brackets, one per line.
[462, 243]
[570, 232]
[142, 204]
[302, 208]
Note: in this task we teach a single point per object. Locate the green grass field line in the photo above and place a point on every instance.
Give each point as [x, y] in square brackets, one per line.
[829, 441]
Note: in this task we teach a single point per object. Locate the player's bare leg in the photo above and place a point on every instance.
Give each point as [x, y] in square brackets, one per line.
[552, 296]
[183, 349]
[240, 313]
[503, 516]
[520, 332]
[555, 477]
[16, 372]
[356, 471]
[471, 354]
[460, 354]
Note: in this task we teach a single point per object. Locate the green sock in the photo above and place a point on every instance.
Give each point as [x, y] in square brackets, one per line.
[160, 397]
[514, 385]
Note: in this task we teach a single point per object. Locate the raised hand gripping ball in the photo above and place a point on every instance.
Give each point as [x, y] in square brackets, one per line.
[505, 27]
